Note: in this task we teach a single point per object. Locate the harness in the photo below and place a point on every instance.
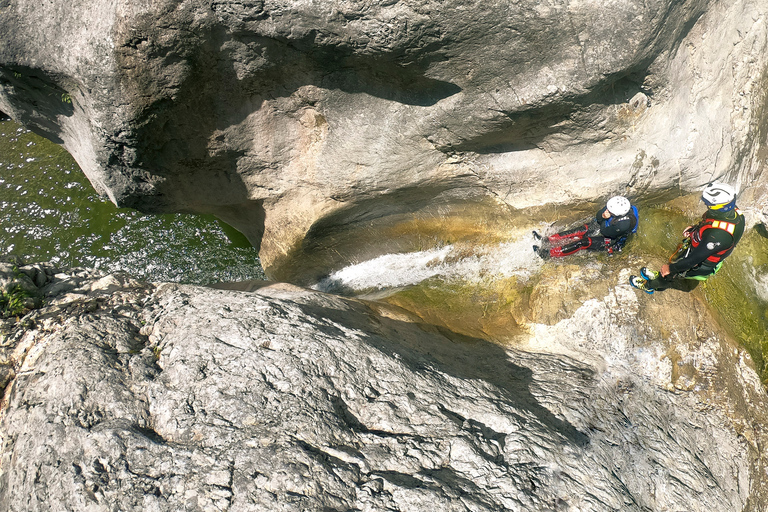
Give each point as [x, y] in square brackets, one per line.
[618, 243]
[714, 261]
[729, 227]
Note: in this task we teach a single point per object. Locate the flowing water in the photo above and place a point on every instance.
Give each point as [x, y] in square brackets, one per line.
[484, 289]
[450, 262]
[50, 212]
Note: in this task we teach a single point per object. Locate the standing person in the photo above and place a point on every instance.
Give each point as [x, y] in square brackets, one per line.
[608, 231]
[705, 245]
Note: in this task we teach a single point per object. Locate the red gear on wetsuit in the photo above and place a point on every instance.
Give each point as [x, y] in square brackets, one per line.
[598, 235]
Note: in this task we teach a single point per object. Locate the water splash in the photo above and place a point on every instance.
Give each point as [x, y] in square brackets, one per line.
[450, 262]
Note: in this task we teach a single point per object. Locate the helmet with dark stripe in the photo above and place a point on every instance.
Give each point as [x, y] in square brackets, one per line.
[719, 196]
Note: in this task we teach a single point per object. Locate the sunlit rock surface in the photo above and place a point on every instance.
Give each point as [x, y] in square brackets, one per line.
[169, 397]
[294, 119]
[333, 132]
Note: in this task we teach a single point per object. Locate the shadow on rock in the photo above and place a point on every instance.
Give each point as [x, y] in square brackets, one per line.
[518, 376]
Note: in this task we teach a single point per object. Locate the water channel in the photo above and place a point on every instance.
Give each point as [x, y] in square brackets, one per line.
[50, 212]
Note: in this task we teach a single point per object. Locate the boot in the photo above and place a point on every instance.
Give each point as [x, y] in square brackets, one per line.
[640, 284]
[648, 274]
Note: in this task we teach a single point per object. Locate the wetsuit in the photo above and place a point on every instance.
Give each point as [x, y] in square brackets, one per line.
[702, 252]
[598, 235]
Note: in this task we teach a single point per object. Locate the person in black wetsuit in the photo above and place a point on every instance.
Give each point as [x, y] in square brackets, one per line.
[705, 246]
[608, 231]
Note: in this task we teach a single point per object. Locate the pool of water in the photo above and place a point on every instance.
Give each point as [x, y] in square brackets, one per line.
[50, 212]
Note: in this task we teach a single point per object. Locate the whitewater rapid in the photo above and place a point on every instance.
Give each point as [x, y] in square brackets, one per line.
[450, 263]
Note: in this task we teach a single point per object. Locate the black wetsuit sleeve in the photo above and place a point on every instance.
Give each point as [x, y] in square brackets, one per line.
[714, 240]
[616, 227]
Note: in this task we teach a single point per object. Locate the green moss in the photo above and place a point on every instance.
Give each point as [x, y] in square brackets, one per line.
[733, 294]
[661, 226]
[489, 310]
[13, 302]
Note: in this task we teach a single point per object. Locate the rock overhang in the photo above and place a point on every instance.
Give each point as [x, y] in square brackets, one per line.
[281, 117]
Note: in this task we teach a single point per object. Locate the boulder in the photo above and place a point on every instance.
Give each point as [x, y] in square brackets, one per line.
[175, 397]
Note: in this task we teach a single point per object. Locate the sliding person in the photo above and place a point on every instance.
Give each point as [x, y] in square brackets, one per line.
[608, 232]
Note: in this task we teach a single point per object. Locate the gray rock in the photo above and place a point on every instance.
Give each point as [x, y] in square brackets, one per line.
[295, 120]
[38, 273]
[18, 280]
[15, 281]
[29, 279]
[288, 399]
[6, 375]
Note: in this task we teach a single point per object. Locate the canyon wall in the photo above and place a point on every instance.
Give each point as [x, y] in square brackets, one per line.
[325, 131]
[293, 120]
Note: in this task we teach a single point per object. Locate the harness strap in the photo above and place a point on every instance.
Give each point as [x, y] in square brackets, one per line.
[727, 226]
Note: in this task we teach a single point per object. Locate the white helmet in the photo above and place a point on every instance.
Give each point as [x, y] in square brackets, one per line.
[618, 205]
[719, 196]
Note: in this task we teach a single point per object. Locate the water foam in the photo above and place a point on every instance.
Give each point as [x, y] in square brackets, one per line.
[449, 262]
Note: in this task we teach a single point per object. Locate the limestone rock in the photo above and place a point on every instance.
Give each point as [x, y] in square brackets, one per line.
[292, 120]
[188, 398]
[22, 282]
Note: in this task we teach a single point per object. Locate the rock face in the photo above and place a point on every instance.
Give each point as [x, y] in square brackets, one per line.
[305, 124]
[291, 119]
[163, 398]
